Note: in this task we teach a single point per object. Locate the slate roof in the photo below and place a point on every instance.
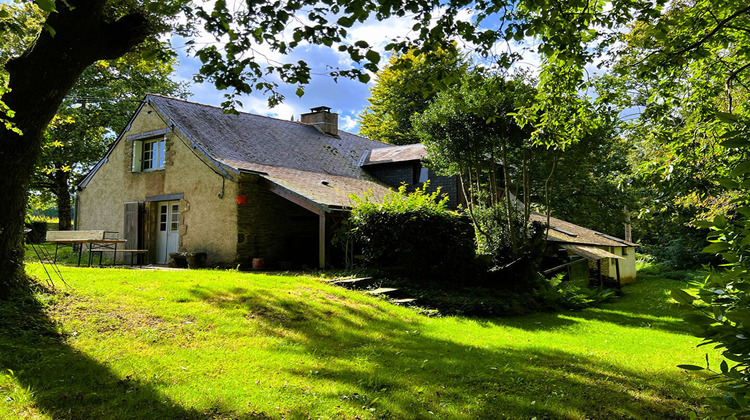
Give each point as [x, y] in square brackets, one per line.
[568, 233]
[294, 155]
[394, 154]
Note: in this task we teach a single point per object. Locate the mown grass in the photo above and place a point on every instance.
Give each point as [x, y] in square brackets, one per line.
[216, 344]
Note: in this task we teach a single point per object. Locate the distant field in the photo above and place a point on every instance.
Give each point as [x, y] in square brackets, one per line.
[218, 344]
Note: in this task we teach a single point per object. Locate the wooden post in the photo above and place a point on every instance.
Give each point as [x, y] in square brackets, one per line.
[617, 270]
[322, 239]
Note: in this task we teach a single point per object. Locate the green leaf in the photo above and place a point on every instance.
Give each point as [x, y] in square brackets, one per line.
[720, 222]
[727, 117]
[705, 224]
[735, 143]
[741, 169]
[715, 248]
[682, 296]
[46, 5]
[364, 77]
[50, 29]
[346, 21]
[729, 183]
[299, 92]
[373, 56]
[690, 367]
[150, 55]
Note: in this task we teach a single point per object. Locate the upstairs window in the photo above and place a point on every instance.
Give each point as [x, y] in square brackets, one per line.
[148, 155]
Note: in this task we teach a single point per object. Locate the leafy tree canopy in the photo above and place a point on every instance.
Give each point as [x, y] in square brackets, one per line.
[405, 87]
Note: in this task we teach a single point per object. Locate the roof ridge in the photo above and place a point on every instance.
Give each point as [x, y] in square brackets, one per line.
[222, 109]
[254, 115]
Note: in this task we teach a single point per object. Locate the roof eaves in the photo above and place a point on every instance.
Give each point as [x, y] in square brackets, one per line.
[276, 187]
[215, 164]
[613, 238]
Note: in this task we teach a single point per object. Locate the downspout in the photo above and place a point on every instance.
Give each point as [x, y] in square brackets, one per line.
[75, 211]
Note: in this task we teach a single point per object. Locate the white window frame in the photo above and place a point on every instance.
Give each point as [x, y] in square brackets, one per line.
[154, 156]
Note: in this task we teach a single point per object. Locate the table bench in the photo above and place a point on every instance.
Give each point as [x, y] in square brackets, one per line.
[99, 242]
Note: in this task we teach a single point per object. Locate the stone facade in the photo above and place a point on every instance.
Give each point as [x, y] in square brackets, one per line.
[207, 205]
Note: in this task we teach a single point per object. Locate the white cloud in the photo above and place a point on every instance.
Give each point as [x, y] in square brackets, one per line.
[348, 123]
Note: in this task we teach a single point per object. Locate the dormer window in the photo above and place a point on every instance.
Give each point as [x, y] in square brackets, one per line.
[148, 155]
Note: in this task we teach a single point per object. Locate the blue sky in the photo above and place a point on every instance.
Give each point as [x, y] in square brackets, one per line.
[346, 97]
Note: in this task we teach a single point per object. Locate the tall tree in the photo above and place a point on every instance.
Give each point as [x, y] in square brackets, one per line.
[80, 32]
[468, 130]
[404, 87]
[95, 110]
[689, 68]
[688, 71]
[590, 183]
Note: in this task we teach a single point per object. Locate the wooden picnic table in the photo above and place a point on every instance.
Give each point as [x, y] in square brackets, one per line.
[86, 237]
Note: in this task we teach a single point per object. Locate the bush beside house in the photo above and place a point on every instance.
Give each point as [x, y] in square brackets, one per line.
[415, 235]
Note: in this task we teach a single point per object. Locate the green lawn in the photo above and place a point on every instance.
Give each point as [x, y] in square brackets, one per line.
[221, 344]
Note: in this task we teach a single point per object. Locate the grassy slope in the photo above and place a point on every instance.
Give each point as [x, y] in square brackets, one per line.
[213, 344]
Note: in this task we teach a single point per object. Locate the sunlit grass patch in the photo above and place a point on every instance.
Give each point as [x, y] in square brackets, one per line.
[222, 344]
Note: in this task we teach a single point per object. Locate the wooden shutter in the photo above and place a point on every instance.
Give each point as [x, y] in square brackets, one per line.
[137, 156]
[133, 225]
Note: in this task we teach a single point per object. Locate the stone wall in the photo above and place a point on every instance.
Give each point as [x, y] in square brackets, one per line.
[207, 221]
[284, 234]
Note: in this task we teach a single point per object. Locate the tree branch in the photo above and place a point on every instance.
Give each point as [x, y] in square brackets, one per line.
[713, 32]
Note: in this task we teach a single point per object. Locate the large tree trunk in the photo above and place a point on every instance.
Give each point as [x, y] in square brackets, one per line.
[39, 80]
[62, 193]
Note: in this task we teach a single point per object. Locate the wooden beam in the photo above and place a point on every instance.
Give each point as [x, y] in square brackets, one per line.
[149, 134]
[617, 269]
[294, 198]
[552, 270]
[322, 239]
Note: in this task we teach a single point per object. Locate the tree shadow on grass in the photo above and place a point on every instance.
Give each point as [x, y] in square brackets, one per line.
[562, 320]
[395, 367]
[64, 383]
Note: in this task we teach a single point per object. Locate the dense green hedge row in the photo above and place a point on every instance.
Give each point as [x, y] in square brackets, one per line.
[415, 235]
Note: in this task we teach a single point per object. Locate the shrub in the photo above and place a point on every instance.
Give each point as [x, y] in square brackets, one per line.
[723, 313]
[414, 234]
[508, 268]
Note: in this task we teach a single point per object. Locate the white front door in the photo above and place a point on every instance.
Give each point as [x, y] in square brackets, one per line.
[168, 230]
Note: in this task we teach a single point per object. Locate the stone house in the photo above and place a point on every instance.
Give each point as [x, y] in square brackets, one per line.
[188, 177]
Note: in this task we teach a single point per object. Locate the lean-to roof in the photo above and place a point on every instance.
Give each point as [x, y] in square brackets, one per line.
[569, 233]
[392, 154]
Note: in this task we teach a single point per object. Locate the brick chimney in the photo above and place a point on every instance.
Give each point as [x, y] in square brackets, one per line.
[323, 119]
